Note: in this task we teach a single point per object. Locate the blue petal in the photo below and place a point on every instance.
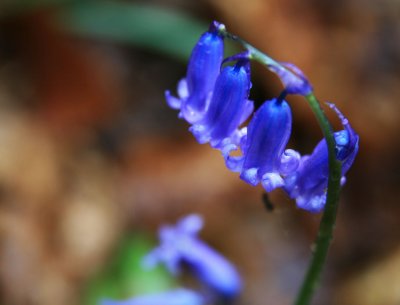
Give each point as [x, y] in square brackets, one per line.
[234, 163]
[267, 136]
[308, 184]
[271, 181]
[173, 297]
[190, 225]
[346, 143]
[312, 204]
[213, 270]
[228, 109]
[289, 162]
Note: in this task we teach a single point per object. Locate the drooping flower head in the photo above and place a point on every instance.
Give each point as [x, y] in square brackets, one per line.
[229, 107]
[179, 247]
[308, 185]
[264, 157]
[174, 297]
[264, 149]
[195, 90]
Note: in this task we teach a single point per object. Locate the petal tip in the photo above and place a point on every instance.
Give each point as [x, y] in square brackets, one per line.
[271, 181]
[250, 176]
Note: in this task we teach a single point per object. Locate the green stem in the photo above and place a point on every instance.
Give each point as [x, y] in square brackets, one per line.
[255, 53]
[327, 225]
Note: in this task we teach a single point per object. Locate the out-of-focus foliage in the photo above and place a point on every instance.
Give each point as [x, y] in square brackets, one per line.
[160, 29]
[124, 276]
[151, 27]
[147, 26]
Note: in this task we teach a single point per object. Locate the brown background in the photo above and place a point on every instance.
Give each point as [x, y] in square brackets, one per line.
[89, 151]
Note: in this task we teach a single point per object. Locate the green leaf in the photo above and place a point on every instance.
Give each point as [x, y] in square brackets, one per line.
[147, 26]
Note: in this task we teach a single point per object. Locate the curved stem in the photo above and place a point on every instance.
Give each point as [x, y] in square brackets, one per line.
[327, 224]
[328, 220]
[254, 53]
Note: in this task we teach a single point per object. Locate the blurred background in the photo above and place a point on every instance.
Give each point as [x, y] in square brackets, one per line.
[92, 160]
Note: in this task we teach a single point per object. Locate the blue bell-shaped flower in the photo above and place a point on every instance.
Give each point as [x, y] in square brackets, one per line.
[309, 183]
[180, 246]
[228, 109]
[174, 297]
[264, 157]
[195, 90]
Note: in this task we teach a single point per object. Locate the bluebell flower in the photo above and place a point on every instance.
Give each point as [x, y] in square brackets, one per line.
[180, 246]
[293, 79]
[195, 91]
[264, 157]
[308, 185]
[173, 297]
[229, 107]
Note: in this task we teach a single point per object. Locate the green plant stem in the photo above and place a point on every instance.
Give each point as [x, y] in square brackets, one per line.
[327, 224]
[255, 54]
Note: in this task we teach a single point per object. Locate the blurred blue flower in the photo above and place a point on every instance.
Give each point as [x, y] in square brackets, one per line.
[195, 90]
[228, 109]
[264, 157]
[173, 297]
[180, 246]
[309, 183]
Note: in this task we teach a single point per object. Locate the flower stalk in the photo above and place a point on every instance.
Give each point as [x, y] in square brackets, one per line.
[327, 224]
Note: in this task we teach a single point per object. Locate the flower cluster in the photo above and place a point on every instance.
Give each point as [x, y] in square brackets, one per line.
[181, 248]
[214, 99]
